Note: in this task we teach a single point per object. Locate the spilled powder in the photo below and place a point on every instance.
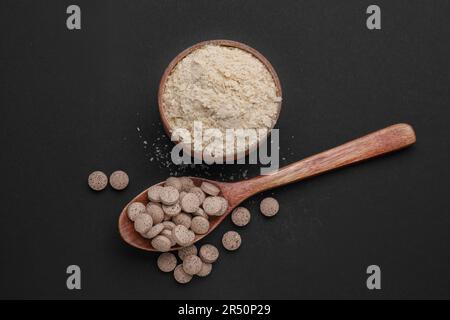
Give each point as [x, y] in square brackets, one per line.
[157, 151]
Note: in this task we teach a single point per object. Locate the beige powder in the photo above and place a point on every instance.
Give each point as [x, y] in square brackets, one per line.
[224, 88]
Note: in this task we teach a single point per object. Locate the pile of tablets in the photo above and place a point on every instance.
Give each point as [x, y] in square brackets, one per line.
[177, 211]
[193, 262]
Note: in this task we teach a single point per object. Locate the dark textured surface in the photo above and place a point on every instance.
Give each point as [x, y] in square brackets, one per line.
[71, 103]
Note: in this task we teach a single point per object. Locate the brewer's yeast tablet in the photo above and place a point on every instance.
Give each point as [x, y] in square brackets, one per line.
[167, 262]
[169, 195]
[161, 243]
[269, 207]
[180, 275]
[119, 180]
[209, 188]
[200, 225]
[208, 253]
[205, 269]
[154, 193]
[135, 209]
[97, 180]
[143, 223]
[240, 216]
[187, 251]
[231, 240]
[192, 264]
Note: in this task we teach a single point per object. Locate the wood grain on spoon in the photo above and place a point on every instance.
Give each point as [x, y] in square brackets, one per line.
[390, 139]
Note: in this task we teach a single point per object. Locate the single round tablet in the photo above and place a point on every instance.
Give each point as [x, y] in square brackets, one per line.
[200, 225]
[190, 203]
[143, 223]
[161, 243]
[224, 206]
[159, 204]
[187, 251]
[169, 225]
[205, 270]
[201, 213]
[167, 262]
[212, 206]
[209, 188]
[182, 194]
[192, 265]
[269, 207]
[186, 183]
[199, 193]
[231, 240]
[183, 236]
[154, 193]
[173, 182]
[156, 212]
[135, 209]
[180, 275]
[118, 180]
[171, 210]
[169, 195]
[97, 181]
[208, 253]
[154, 231]
[169, 235]
[183, 219]
[240, 216]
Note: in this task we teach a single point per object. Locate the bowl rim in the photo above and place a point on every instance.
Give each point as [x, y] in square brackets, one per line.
[218, 42]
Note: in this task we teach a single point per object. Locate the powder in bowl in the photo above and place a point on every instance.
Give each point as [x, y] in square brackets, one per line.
[222, 87]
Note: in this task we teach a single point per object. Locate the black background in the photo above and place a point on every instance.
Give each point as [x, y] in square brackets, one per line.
[72, 102]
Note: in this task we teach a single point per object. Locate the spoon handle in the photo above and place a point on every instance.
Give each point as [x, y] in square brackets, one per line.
[380, 142]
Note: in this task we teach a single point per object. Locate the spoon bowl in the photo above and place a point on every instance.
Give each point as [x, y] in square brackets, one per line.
[380, 142]
[132, 237]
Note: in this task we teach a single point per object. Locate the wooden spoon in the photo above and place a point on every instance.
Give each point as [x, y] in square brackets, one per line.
[375, 144]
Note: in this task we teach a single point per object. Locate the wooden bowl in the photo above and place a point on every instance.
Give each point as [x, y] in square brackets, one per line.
[227, 43]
